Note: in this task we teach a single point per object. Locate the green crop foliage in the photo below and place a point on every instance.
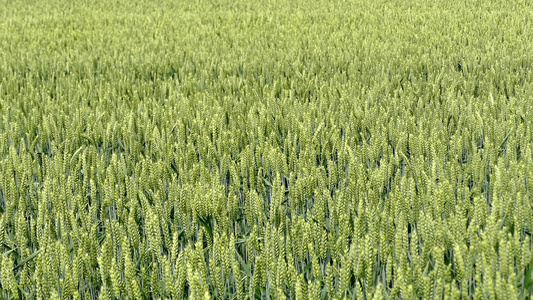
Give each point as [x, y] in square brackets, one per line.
[282, 149]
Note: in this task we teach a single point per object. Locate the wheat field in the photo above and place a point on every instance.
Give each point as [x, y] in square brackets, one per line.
[278, 149]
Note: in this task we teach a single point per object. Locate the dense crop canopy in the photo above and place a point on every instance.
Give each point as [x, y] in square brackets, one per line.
[266, 149]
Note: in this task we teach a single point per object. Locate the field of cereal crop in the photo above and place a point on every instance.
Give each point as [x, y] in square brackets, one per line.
[276, 149]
